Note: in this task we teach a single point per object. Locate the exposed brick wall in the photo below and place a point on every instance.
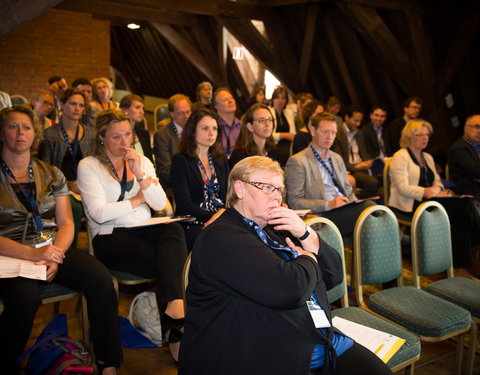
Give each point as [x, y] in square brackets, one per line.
[57, 42]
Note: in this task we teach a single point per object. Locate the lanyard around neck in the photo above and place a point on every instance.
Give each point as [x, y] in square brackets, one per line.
[331, 171]
[122, 181]
[72, 148]
[30, 196]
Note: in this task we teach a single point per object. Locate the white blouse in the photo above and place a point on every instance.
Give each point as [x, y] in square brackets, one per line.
[100, 192]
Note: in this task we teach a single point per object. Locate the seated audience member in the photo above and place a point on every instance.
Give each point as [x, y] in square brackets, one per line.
[133, 107]
[464, 159]
[412, 109]
[84, 85]
[199, 173]
[204, 96]
[375, 135]
[42, 105]
[119, 187]
[102, 95]
[334, 106]
[301, 99]
[284, 123]
[258, 96]
[252, 274]
[350, 146]
[303, 137]
[5, 100]
[167, 138]
[57, 86]
[414, 180]
[68, 142]
[225, 105]
[316, 178]
[255, 136]
[31, 187]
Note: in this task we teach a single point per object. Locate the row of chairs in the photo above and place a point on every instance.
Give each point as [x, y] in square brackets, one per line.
[426, 313]
[448, 308]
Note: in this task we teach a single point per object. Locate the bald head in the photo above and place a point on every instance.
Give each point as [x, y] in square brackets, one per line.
[472, 128]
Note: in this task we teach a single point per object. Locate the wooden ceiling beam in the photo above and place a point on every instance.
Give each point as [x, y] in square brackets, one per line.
[340, 60]
[187, 49]
[251, 9]
[383, 44]
[307, 45]
[127, 11]
[380, 4]
[459, 49]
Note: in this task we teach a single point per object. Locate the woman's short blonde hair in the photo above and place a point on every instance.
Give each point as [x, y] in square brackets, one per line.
[26, 110]
[244, 169]
[411, 128]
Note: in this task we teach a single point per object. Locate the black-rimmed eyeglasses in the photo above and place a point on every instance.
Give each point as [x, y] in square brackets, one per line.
[267, 188]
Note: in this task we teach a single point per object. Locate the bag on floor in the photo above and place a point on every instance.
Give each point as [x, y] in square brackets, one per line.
[54, 353]
[145, 317]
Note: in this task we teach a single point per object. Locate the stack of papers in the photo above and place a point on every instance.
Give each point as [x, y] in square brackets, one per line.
[383, 344]
[13, 267]
[160, 220]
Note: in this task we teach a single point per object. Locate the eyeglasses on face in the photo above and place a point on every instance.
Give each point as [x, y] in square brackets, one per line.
[267, 188]
[264, 120]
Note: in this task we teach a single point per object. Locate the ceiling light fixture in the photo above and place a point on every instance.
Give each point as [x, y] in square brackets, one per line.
[133, 26]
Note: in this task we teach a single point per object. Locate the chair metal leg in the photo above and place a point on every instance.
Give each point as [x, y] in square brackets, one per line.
[85, 322]
[472, 347]
[459, 354]
[410, 370]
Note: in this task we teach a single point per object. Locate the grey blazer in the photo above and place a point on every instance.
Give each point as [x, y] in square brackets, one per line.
[165, 144]
[53, 148]
[305, 184]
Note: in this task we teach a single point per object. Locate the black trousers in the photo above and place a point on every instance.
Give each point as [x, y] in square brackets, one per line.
[356, 360]
[157, 251]
[345, 217]
[81, 272]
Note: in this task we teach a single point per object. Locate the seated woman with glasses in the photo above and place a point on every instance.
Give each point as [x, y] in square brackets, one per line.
[255, 135]
[199, 173]
[258, 275]
[415, 180]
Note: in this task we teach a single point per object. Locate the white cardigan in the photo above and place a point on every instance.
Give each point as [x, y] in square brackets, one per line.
[404, 177]
[290, 116]
[100, 192]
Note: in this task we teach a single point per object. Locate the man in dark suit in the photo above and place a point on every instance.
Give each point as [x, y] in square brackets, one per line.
[464, 159]
[412, 109]
[350, 146]
[167, 138]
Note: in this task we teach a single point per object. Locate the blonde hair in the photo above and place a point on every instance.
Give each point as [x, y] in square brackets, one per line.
[410, 128]
[26, 110]
[244, 169]
[107, 82]
[103, 122]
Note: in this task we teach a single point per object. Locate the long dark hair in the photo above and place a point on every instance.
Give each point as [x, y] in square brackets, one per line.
[245, 141]
[188, 144]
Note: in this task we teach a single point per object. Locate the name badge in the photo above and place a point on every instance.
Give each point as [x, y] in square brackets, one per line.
[318, 315]
[42, 240]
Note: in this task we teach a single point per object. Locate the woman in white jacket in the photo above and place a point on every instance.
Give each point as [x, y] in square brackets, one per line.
[415, 180]
[119, 187]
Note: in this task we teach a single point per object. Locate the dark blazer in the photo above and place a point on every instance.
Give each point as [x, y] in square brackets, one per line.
[238, 155]
[464, 168]
[394, 132]
[144, 138]
[246, 305]
[165, 144]
[370, 141]
[187, 185]
[301, 141]
[341, 147]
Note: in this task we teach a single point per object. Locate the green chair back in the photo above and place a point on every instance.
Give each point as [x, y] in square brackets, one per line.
[431, 241]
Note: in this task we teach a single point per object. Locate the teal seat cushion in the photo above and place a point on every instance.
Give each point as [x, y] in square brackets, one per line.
[460, 291]
[409, 350]
[126, 276]
[52, 290]
[419, 311]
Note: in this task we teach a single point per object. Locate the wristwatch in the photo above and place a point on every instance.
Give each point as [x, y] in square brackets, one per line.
[306, 234]
[142, 178]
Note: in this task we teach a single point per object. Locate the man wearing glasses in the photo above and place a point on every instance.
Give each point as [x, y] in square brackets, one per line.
[464, 159]
[411, 110]
[316, 178]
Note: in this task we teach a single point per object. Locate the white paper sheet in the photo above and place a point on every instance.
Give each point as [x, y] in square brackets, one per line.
[13, 267]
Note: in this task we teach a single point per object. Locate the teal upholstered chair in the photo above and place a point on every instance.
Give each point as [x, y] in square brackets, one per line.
[432, 254]
[409, 353]
[377, 260]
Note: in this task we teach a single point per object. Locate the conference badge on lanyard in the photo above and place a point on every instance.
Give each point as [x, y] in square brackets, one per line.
[318, 314]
